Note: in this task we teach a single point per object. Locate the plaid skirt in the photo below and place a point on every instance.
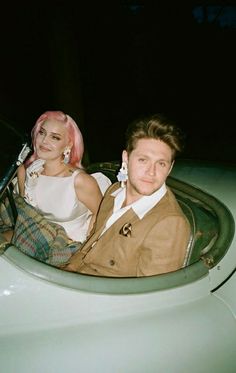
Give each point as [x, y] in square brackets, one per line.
[36, 236]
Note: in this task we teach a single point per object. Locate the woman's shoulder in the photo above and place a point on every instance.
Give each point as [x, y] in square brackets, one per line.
[94, 181]
[75, 171]
[81, 176]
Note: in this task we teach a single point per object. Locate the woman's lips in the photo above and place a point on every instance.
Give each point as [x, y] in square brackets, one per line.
[44, 149]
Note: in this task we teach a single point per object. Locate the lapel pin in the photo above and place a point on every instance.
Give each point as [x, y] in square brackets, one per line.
[126, 230]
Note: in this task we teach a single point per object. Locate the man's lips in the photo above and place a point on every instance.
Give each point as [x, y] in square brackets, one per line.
[147, 181]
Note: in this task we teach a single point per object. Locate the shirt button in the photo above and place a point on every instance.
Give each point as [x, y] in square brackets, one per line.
[112, 262]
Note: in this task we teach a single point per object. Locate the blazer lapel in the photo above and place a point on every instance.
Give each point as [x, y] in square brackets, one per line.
[128, 218]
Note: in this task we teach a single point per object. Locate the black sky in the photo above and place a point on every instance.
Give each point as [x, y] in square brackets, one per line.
[106, 63]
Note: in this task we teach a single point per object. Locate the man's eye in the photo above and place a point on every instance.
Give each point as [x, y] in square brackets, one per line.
[142, 159]
[162, 164]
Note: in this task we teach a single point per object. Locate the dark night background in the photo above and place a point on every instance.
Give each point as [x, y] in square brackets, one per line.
[107, 62]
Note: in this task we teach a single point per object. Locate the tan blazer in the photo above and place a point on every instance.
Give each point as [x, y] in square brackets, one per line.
[156, 244]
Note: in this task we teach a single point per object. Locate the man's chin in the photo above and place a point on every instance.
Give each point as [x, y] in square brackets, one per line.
[143, 189]
[147, 191]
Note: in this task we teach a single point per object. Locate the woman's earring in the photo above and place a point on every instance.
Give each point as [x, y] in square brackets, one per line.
[123, 174]
[66, 154]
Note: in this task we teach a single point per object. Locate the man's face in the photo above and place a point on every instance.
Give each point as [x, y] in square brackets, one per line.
[149, 164]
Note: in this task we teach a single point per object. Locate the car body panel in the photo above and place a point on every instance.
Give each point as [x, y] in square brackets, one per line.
[151, 341]
[122, 333]
[220, 181]
[184, 321]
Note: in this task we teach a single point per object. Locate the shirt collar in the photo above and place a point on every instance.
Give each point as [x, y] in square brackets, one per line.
[142, 205]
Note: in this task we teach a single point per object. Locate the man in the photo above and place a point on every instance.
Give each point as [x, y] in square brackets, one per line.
[140, 228]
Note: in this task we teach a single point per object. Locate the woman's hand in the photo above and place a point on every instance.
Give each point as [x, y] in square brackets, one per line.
[32, 173]
[35, 169]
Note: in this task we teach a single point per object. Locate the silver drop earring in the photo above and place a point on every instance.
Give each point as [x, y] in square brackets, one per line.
[66, 154]
[122, 175]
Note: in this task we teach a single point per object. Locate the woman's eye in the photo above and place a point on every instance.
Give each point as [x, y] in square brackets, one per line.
[56, 138]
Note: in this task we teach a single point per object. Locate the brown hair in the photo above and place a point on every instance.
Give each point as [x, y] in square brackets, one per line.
[155, 127]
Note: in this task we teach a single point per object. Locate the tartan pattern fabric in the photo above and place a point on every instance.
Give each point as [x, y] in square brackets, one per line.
[39, 238]
[6, 216]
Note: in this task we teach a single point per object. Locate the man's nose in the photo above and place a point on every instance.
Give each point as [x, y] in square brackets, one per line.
[151, 169]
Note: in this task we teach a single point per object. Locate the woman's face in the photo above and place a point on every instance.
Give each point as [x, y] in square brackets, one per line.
[51, 140]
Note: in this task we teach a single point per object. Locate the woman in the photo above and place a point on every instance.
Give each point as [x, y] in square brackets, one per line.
[54, 182]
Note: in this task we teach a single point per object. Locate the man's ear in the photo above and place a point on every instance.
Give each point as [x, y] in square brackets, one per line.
[171, 166]
[125, 156]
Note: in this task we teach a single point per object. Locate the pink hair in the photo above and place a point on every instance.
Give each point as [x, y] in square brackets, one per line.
[74, 135]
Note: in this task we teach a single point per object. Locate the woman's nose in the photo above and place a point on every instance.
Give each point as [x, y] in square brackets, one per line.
[44, 139]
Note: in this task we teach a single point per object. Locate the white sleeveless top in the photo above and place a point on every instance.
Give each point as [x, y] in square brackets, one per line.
[56, 200]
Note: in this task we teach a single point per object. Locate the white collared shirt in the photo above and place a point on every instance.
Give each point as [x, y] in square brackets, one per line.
[140, 207]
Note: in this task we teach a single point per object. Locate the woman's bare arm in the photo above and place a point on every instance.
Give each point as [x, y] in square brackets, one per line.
[88, 192]
[21, 179]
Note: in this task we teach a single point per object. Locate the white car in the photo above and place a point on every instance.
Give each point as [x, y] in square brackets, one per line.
[52, 321]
